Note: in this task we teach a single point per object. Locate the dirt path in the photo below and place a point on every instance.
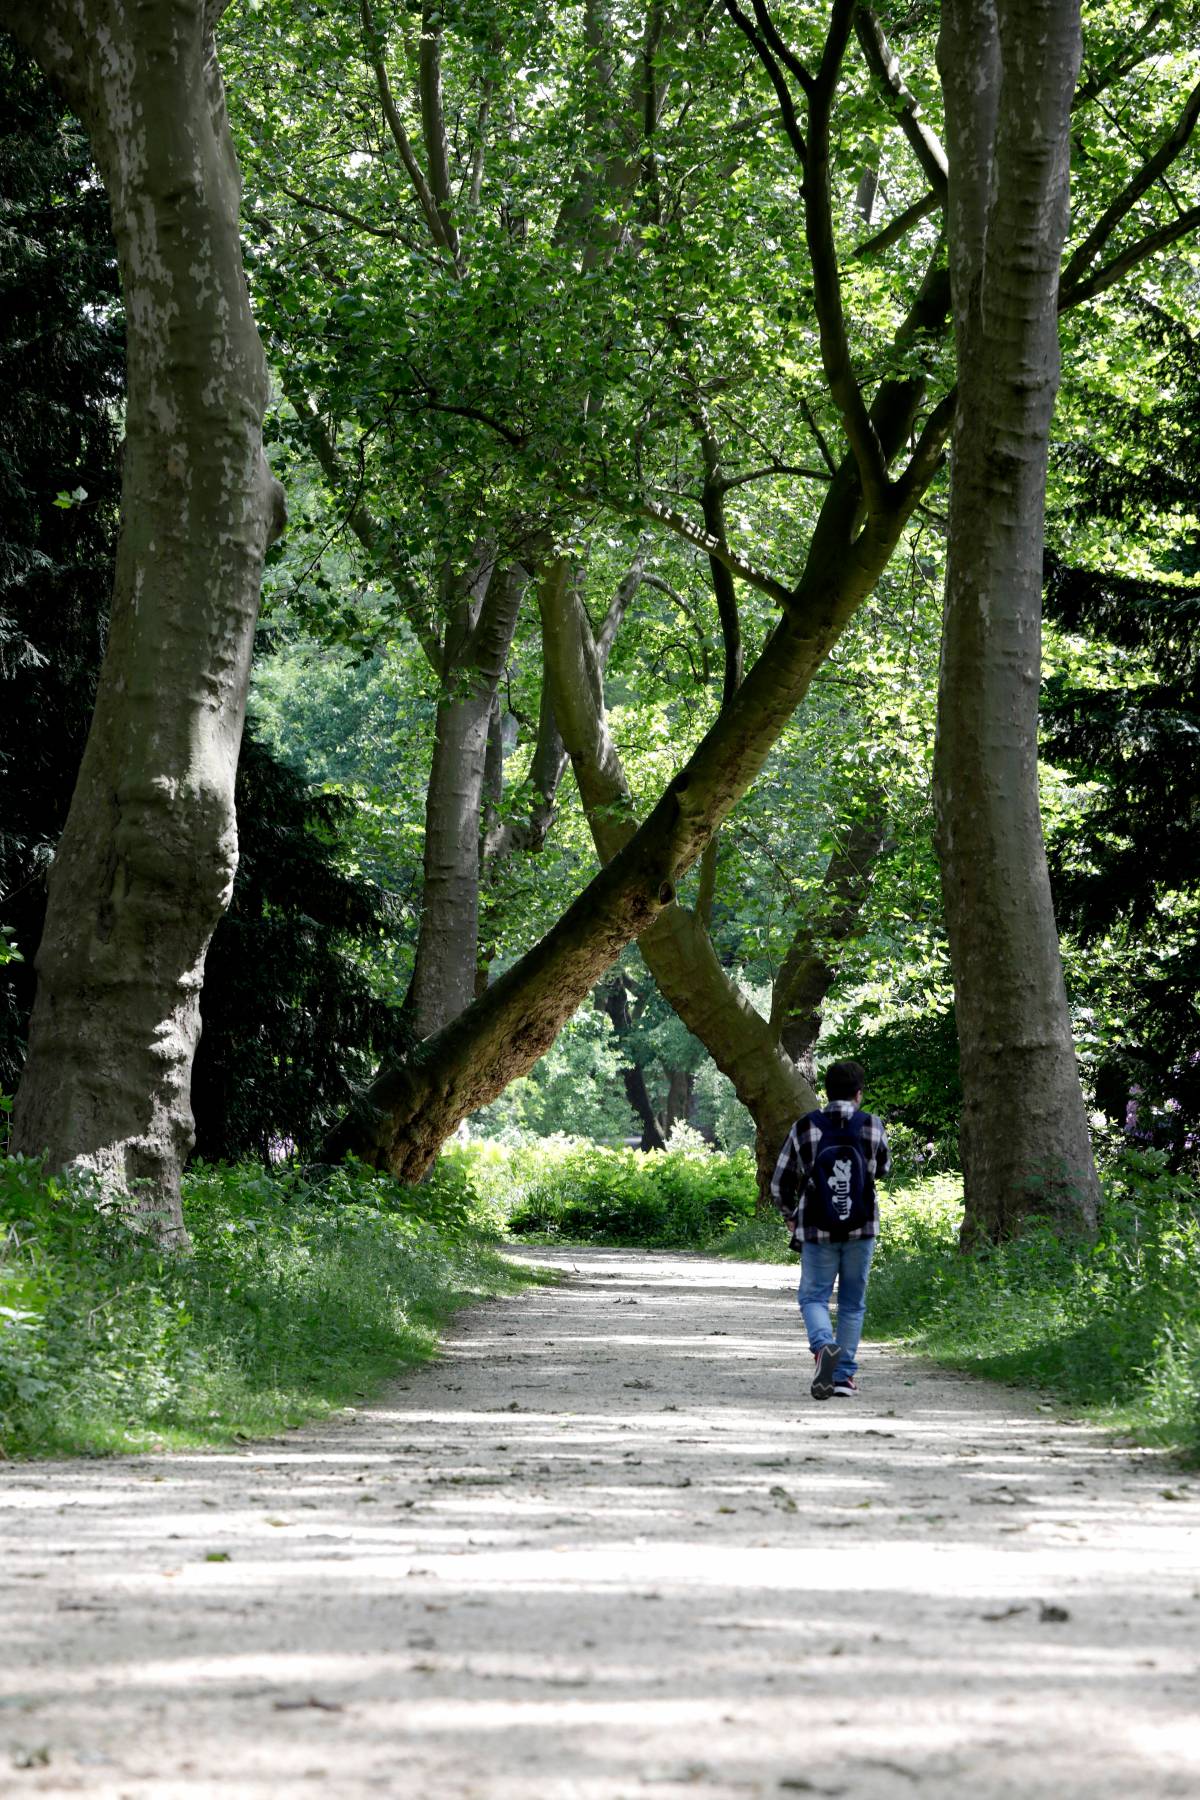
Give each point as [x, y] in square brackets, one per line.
[609, 1548]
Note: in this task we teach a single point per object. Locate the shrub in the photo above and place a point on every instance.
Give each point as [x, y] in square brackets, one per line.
[683, 1196]
[298, 1296]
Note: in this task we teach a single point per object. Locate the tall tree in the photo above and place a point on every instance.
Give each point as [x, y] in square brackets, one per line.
[145, 865]
[1025, 1141]
[564, 321]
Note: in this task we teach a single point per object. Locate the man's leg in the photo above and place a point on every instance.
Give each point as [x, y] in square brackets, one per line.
[818, 1272]
[852, 1301]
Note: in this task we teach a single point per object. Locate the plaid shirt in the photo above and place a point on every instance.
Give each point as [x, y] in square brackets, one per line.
[791, 1183]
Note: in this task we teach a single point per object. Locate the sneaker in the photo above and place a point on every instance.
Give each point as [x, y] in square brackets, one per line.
[845, 1385]
[826, 1360]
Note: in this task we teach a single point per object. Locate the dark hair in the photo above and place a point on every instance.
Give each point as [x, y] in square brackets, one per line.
[843, 1080]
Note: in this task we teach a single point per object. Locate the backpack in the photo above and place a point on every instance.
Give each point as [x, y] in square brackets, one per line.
[841, 1192]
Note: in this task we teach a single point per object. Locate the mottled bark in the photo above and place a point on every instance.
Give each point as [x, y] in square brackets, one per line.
[147, 858]
[1008, 69]
[477, 642]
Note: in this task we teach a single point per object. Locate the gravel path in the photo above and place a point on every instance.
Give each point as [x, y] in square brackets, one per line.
[608, 1549]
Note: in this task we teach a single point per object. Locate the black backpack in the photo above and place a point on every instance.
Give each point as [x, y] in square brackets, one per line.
[841, 1197]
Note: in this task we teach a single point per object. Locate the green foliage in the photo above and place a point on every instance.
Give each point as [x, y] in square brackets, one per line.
[681, 1197]
[575, 1087]
[1121, 722]
[61, 350]
[911, 1065]
[297, 1297]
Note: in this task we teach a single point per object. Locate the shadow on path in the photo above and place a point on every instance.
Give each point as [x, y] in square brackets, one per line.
[608, 1546]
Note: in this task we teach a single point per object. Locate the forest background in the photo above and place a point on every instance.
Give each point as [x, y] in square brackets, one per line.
[549, 338]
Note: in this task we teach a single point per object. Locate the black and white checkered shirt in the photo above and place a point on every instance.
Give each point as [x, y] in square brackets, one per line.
[791, 1184]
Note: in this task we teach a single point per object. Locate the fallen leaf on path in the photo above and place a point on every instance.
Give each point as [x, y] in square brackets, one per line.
[782, 1499]
[1010, 1612]
[31, 1759]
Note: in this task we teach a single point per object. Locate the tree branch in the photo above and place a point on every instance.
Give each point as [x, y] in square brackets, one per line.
[900, 226]
[729, 482]
[1112, 272]
[1120, 65]
[433, 127]
[703, 540]
[885, 66]
[1119, 208]
[389, 232]
[822, 250]
[373, 43]
[787, 106]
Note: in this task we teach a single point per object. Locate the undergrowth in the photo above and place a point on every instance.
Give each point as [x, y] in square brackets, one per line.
[296, 1299]
[564, 1189]
[299, 1297]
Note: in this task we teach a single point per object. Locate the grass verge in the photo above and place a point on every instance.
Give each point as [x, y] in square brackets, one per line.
[295, 1301]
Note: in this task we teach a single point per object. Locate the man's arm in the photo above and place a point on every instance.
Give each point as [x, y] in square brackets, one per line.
[784, 1180]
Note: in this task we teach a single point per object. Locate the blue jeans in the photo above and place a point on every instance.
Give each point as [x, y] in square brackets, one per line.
[849, 1265]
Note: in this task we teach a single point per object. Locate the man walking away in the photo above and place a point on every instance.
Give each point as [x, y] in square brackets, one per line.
[824, 1185]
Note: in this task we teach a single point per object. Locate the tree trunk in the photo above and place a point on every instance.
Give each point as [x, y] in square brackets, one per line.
[679, 1100]
[147, 858]
[676, 947]
[615, 1001]
[1008, 71]
[477, 643]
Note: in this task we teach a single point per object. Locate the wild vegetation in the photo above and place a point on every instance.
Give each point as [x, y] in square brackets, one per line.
[663, 395]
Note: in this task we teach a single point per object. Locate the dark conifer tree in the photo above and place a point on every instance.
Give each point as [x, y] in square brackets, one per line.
[1126, 870]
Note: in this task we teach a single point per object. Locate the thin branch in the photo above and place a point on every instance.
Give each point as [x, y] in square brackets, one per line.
[373, 45]
[900, 226]
[787, 105]
[787, 57]
[729, 482]
[810, 419]
[822, 250]
[702, 540]
[1112, 272]
[433, 127]
[1120, 65]
[1119, 208]
[925, 144]
[348, 218]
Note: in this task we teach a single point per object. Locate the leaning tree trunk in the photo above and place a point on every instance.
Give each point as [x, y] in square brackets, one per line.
[147, 858]
[1008, 71]
[676, 947]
